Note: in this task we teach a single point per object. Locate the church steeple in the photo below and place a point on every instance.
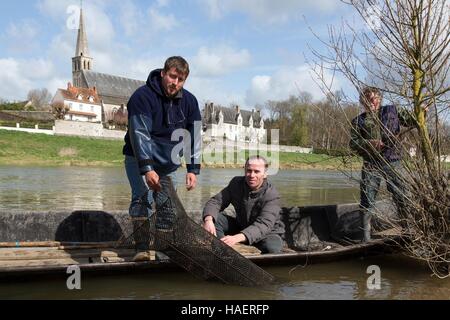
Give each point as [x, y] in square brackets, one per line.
[81, 62]
[82, 43]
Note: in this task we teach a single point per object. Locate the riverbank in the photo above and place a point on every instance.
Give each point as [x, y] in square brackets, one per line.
[18, 148]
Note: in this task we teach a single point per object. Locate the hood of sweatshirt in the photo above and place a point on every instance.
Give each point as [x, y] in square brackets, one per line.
[154, 81]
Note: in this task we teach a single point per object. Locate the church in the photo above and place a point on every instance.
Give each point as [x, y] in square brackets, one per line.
[113, 91]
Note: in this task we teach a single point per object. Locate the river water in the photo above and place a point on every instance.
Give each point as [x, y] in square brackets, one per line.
[68, 188]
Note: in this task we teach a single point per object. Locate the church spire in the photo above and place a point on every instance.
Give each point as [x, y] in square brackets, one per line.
[82, 61]
[82, 43]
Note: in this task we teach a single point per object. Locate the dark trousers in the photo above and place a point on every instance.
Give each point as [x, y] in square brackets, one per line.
[371, 177]
[226, 225]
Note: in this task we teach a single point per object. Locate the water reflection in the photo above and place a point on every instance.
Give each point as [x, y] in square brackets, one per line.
[42, 189]
[401, 279]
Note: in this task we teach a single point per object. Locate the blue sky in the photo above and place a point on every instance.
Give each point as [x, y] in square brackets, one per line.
[243, 52]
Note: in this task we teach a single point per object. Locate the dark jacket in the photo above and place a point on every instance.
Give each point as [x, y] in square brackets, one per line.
[385, 127]
[257, 212]
[153, 118]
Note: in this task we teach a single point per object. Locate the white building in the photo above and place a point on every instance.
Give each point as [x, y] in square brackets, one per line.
[83, 104]
[233, 124]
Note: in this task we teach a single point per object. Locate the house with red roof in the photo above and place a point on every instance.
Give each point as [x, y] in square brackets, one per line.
[83, 103]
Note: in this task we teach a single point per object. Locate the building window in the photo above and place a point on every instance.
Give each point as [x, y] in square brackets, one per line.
[92, 108]
[81, 107]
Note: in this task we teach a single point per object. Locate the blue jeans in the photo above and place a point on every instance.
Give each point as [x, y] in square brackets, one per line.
[371, 176]
[226, 225]
[142, 196]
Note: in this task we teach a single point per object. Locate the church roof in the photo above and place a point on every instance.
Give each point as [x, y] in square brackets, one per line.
[80, 94]
[246, 118]
[230, 116]
[112, 89]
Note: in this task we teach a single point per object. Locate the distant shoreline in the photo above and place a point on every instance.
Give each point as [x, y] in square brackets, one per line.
[25, 149]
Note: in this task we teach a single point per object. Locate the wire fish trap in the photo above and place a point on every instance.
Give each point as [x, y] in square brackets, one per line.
[187, 244]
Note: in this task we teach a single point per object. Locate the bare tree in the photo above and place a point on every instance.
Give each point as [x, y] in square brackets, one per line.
[39, 98]
[120, 117]
[405, 50]
[59, 110]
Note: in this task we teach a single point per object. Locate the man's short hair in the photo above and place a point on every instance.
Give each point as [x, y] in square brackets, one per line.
[179, 63]
[366, 92]
[266, 164]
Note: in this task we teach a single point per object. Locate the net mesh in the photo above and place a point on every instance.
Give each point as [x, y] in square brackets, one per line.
[187, 244]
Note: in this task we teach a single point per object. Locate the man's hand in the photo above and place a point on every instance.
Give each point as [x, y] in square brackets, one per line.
[152, 180]
[232, 240]
[377, 144]
[191, 181]
[208, 225]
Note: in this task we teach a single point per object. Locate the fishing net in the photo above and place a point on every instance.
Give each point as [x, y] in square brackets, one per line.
[187, 244]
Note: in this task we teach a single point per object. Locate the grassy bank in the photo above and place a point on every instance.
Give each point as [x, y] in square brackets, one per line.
[18, 148]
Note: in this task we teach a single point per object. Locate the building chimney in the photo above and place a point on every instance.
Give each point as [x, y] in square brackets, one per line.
[69, 85]
[238, 109]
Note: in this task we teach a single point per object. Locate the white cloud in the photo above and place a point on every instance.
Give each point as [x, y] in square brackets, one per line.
[215, 8]
[21, 37]
[55, 8]
[212, 92]
[159, 21]
[141, 68]
[25, 29]
[162, 3]
[20, 76]
[129, 17]
[219, 60]
[267, 11]
[11, 80]
[283, 83]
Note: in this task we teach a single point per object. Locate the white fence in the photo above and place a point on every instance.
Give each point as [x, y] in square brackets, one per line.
[35, 130]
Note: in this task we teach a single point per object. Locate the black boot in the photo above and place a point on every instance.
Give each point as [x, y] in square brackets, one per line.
[365, 225]
[141, 233]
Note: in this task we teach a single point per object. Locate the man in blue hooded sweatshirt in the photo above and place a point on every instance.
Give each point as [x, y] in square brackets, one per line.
[160, 114]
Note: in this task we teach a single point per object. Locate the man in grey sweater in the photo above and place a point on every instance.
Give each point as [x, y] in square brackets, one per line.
[257, 206]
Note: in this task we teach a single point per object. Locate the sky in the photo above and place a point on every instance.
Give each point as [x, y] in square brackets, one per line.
[240, 52]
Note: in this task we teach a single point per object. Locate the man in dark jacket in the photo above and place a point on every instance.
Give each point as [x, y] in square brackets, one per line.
[257, 206]
[163, 121]
[374, 136]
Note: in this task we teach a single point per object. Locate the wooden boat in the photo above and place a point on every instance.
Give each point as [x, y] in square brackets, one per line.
[46, 243]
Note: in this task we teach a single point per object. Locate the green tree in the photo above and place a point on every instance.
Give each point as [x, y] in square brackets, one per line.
[299, 128]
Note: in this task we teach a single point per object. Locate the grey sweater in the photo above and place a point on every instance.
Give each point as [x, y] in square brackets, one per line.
[257, 212]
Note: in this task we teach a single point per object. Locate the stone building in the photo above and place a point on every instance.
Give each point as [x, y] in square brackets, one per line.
[113, 91]
[233, 124]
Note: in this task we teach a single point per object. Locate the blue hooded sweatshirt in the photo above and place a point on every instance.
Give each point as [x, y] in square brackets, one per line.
[152, 119]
